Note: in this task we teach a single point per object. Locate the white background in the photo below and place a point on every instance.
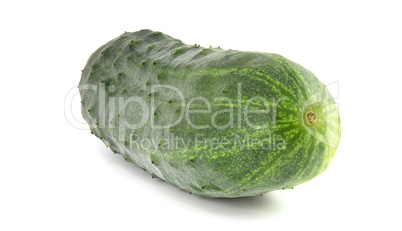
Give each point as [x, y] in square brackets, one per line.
[57, 177]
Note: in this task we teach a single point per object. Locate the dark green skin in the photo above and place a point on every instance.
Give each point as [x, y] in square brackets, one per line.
[134, 62]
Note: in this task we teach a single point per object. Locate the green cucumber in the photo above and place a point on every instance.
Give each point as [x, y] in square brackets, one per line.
[213, 122]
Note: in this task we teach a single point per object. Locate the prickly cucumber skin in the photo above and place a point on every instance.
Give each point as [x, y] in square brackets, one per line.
[129, 65]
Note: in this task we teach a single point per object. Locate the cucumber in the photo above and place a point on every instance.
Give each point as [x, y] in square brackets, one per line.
[213, 122]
